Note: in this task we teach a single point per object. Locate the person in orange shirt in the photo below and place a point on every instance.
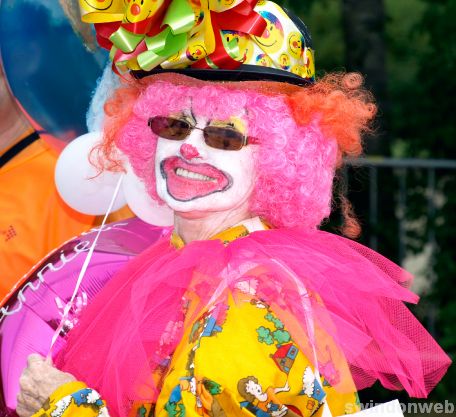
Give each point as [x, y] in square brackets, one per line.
[34, 220]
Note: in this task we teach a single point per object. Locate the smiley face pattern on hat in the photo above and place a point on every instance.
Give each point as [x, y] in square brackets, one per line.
[282, 45]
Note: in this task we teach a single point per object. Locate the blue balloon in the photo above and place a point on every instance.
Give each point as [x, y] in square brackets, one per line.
[47, 66]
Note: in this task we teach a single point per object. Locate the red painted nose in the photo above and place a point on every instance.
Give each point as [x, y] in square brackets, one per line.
[266, 34]
[135, 9]
[188, 151]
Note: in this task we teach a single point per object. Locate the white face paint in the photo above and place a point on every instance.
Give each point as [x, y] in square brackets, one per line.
[194, 177]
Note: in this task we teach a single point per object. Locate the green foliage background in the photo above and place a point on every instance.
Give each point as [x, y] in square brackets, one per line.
[421, 68]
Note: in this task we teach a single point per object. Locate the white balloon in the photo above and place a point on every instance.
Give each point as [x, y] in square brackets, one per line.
[78, 181]
[142, 204]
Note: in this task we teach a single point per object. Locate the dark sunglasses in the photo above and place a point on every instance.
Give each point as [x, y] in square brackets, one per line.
[218, 137]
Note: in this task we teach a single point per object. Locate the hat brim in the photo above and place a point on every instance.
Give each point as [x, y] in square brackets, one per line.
[243, 73]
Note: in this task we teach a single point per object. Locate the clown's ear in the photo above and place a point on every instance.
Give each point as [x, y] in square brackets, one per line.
[80, 184]
[140, 203]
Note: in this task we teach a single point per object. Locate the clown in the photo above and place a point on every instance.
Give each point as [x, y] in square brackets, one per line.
[246, 169]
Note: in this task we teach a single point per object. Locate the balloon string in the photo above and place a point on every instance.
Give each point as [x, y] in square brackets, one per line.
[310, 324]
[85, 265]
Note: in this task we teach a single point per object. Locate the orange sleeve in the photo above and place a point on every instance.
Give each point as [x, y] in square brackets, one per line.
[34, 220]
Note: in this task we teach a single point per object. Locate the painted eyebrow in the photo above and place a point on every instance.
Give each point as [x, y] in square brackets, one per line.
[191, 109]
[192, 114]
[187, 114]
[228, 122]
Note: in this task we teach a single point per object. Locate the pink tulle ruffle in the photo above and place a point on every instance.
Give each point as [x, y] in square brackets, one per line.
[133, 326]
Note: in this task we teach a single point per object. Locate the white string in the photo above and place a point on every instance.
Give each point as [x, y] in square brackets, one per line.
[310, 323]
[84, 269]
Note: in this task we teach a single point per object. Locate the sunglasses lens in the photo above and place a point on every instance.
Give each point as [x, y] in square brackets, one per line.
[169, 128]
[223, 138]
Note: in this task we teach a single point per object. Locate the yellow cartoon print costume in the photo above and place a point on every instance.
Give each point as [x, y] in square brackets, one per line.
[236, 359]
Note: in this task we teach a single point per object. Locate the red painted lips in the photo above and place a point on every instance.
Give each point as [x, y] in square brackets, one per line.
[186, 181]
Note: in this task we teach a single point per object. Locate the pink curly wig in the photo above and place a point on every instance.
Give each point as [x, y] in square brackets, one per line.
[303, 134]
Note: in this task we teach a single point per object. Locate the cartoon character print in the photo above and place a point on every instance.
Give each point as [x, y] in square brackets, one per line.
[332, 375]
[329, 370]
[83, 398]
[209, 323]
[261, 402]
[61, 406]
[308, 69]
[285, 357]
[204, 391]
[139, 10]
[298, 70]
[309, 63]
[141, 412]
[174, 406]
[195, 52]
[284, 61]
[104, 5]
[312, 389]
[171, 330]
[87, 397]
[247, 286]
[221, 5]
[259, 303]
[199, 16]
[178, 60]
[263, 60]
[286, 353]
[295, 44]
[226, 3]
[271, 40]
[243, 43]
[311, 386]
[280, 336]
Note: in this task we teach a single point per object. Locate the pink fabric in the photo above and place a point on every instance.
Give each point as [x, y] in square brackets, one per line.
[134, 325]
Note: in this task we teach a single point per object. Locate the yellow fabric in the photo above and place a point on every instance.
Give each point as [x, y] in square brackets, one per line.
[226, 236]
[67, 389]
[231, 350]
[237, 345]
[65, 399]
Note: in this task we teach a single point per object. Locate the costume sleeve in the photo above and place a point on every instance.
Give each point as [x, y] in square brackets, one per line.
[74, 399]
[238, 360]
